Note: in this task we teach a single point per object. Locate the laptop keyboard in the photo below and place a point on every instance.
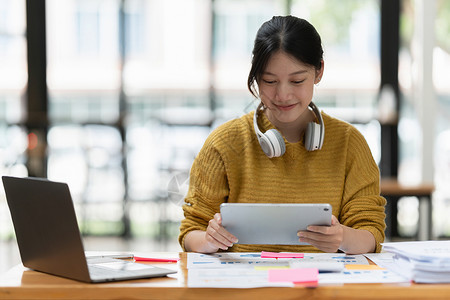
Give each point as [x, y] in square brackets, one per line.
[114, 268]
[100, 272]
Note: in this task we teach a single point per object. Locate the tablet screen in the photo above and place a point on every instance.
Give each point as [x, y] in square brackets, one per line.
[269, 223]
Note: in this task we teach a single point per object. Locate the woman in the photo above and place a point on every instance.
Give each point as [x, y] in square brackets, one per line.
[237, 164]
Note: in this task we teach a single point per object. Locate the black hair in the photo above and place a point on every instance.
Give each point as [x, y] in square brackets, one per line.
[290, 34]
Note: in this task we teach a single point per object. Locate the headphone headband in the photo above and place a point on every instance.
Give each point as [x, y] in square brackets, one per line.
[321, 124]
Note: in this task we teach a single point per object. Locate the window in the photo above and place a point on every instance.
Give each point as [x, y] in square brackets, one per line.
[84, 80]
[350, 36]
[412, 128]
[88, 28]
[132, 121]
[136, 28]
[13, 78]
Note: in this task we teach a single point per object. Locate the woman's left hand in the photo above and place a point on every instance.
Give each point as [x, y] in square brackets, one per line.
[325, 238]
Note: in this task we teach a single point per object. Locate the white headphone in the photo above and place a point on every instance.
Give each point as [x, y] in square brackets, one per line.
[272, 142]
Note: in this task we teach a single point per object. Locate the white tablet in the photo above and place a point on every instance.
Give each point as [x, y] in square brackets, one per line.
[270, 223]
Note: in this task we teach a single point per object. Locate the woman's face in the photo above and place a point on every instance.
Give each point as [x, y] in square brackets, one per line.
[286, 87]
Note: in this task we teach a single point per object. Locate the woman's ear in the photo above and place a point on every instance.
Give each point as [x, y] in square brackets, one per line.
[319, 72]
[256, 90]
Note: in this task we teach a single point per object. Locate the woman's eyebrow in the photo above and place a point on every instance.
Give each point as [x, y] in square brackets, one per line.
[293, 73]
[299, 72]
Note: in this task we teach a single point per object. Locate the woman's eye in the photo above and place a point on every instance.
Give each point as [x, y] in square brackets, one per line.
[269, 81]
[297, 81]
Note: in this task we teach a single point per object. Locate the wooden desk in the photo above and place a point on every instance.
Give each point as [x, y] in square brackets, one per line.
[392, 190]
[20, 283]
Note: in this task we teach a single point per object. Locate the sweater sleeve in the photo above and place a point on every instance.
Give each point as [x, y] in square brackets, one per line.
[208, 188]
[363, 207]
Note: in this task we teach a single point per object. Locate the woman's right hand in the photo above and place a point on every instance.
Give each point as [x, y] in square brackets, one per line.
[217, 236]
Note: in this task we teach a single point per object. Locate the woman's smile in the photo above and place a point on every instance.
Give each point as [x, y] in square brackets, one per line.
[285, 107]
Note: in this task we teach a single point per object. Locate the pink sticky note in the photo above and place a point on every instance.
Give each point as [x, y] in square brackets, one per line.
[265, 254]
[294, 275]
[156, 259]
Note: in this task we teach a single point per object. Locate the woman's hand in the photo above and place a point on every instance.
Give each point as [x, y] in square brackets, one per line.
[214, 238]
[325, 238]
[218, 237]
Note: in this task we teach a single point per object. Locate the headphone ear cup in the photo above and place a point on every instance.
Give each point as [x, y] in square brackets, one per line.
[277, 141]
[312, 136]
[266, 145]
[272, 143]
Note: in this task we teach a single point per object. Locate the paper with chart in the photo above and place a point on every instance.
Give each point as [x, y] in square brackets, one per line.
[436, 251]
[421, 261]
[248, 270]
[232, 260]
[232, 278]
[361, 276]
[384, 259]
[252, 259]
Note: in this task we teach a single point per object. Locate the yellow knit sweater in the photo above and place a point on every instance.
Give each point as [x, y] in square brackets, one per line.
[231, 167]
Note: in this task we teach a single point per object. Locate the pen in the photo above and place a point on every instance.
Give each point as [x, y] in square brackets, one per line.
[115, 256]
[154, 259]
[125, 256]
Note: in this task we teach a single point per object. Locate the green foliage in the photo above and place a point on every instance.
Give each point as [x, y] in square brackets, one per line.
[332, 18]
[101, 227]
[406, 23]
[443, 24]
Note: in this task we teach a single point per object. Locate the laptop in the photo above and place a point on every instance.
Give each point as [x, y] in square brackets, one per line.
[49, 238]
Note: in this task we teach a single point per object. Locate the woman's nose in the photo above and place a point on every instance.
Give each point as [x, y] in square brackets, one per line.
[283, 92]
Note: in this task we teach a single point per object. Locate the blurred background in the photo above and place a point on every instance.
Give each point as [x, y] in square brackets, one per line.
[116, 97]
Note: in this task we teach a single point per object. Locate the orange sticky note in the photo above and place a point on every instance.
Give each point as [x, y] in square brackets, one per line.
[363, 267]
[265, 254]
[294, 275]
